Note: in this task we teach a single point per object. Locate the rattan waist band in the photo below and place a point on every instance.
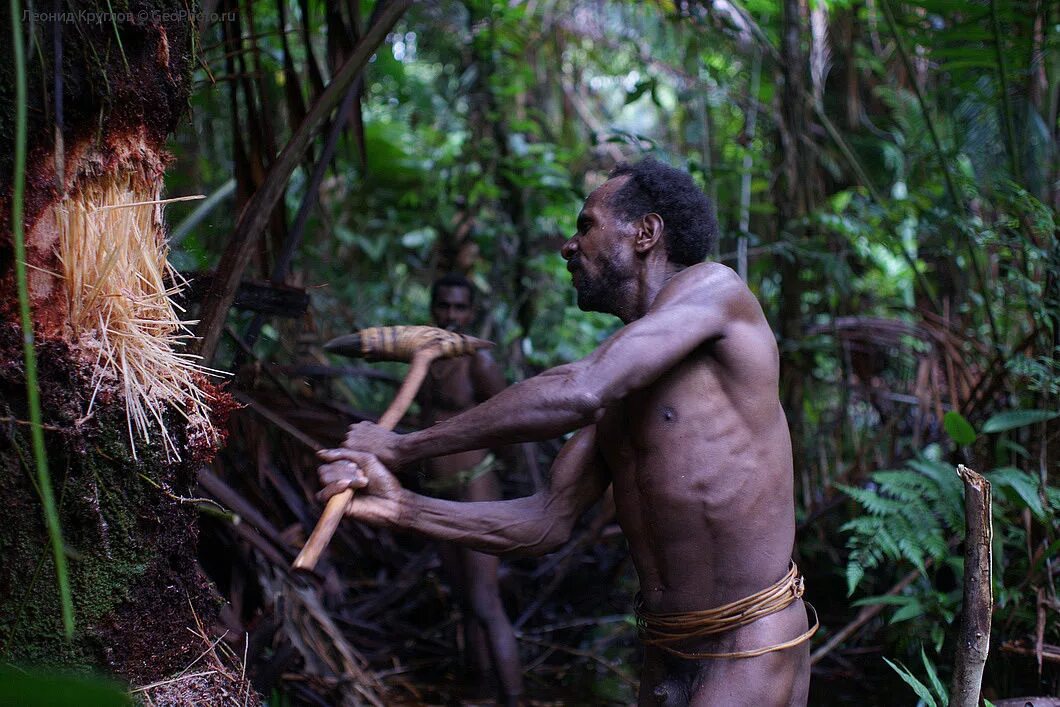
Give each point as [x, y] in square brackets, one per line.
[664, 630]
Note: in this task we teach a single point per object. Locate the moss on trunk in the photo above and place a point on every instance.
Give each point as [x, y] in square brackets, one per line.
[130, 541]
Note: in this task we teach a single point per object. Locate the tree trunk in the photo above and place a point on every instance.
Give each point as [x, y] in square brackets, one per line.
[978, 605]
[794, 195]
[105, 342]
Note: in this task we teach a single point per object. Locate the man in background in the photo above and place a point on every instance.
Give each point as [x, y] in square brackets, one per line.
[454, 385]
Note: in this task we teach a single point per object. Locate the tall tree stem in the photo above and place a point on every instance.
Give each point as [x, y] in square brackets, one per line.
[1006, 112]
[40, 456]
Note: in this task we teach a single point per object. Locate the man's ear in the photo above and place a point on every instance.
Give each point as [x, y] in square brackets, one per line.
[649, 232]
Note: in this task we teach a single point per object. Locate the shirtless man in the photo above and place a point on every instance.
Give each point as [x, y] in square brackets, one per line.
[679, 410]
[452, 386]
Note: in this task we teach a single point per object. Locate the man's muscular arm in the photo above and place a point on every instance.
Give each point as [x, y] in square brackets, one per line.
[532, 525]
[487, 379]
[698, 305]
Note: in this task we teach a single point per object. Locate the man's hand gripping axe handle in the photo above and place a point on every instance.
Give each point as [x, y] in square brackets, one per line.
[419, 345]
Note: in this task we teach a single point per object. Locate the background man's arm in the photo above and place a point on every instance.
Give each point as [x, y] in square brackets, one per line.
[574, 395]
[487, 378]
[532, 525]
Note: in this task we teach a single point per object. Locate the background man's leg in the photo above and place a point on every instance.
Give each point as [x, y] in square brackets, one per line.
[489, 611]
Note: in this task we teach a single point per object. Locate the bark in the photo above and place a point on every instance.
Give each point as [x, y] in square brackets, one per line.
[974, 637]
[98, 121]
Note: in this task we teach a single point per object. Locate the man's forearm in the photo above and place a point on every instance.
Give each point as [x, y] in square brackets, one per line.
[517, 526]
[548, 405]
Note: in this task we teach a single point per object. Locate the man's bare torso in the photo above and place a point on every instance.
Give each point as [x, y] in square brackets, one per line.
[451, 387]
[682, 415]
[701, 466]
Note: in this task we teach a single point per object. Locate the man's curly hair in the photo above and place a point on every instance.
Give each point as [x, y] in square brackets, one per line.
[690, 228]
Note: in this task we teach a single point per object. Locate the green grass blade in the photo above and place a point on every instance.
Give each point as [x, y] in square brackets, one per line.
[51, 513]
[912, 681]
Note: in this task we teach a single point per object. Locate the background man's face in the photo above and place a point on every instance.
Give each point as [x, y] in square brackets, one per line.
[599, 256]
[452, 308]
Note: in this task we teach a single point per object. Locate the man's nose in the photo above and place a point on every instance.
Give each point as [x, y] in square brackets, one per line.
[569, 248]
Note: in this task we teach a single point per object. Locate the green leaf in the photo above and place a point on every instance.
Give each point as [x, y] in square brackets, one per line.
[1024, 484]
[911, 610]
[41, 689]
[855, 573]
[959, 429]
[419, 237]
[1011, 419]
[639, 90]
[1015, 448]
[933, 676]
[919, 688]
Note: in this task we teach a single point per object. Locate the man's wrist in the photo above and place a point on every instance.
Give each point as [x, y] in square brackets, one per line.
[405, 511]
[404, 448]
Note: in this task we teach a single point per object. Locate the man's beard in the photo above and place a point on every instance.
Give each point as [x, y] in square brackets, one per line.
[599, 293]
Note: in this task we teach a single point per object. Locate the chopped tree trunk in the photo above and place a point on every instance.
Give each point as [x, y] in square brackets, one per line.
[974, 637]
[128, 419]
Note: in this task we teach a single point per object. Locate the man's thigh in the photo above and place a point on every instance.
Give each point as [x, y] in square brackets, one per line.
[780, 679]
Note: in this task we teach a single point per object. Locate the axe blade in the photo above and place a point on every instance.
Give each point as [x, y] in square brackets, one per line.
[347, 345]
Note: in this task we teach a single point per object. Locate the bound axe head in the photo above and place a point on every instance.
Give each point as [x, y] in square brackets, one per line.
[400, 343]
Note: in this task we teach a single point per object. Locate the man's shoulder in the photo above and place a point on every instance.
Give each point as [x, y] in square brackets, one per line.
[707, 283]
[483, 359]
[711, 271]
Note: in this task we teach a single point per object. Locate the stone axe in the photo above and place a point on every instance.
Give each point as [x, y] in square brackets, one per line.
[420, 345]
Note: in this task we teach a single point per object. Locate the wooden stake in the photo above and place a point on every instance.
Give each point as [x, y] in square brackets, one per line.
[974, 636]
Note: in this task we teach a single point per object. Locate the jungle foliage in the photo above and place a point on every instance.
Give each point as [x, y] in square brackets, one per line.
[887, 178]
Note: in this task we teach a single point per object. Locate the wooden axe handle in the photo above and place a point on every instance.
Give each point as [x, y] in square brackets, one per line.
[336, 508]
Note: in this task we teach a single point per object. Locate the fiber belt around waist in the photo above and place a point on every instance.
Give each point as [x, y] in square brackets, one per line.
[664, 629]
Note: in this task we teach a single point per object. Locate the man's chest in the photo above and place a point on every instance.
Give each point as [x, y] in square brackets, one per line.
[449, 385]
[667, 415]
